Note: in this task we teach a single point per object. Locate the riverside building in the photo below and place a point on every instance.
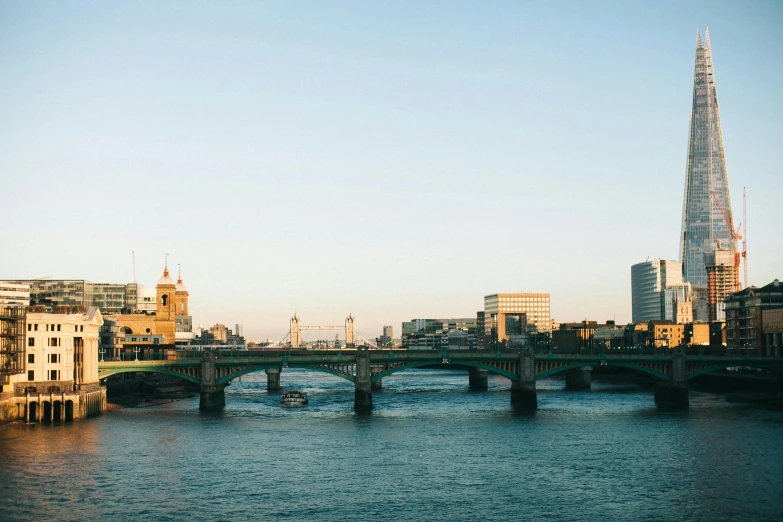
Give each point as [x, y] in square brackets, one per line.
[59, 380]
[745, 315]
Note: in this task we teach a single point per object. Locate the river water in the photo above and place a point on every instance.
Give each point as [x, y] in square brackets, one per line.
[430, 450]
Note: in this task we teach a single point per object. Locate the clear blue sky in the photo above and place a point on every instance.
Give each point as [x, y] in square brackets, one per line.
[389, 159]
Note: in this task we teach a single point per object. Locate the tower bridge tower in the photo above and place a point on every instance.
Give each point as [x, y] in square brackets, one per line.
[295, 334]
[350, 331]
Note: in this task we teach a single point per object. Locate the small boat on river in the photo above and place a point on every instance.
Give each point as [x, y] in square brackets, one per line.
[293, 399]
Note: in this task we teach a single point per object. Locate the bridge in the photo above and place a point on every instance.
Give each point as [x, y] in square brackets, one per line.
[214, 369]
[294, 336]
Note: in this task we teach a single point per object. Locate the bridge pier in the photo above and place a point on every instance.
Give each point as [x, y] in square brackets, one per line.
[362, 401]
[579, 378]
[213, 395]
[377, 385]
[272, 379]
[674, 394]
[477, 379]
[523, 391]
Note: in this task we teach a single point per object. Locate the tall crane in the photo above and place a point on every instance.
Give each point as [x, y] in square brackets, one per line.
[735, 235]
[745, 238]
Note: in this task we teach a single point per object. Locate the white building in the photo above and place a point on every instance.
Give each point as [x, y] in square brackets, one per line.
[60, 381]
[146, 300]
[14, 294]
[62, 349]
[649, 281]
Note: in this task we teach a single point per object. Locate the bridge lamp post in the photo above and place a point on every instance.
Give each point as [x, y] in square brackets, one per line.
[136, 352]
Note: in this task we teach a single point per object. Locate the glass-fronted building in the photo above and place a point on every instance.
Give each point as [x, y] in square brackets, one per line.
[706, 215]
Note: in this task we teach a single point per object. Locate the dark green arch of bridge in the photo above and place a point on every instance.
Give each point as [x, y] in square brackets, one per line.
[752, 363]
[608, 362]
[228, 378]
[148, 369]
[457, 366]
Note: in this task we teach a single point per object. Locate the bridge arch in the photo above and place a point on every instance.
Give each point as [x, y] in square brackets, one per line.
[230, 377]
[635, 367]
[133, 369]
[760, 365]
[466, 365]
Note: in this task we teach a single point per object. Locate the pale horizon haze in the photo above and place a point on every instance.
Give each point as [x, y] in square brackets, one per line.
[393, 160]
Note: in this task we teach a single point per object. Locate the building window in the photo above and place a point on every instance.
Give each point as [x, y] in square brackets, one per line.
[75, 328]
[29, 327]
[30, 358]
[31, 341]
[35, 327]
[30, 375]
[58, 327]
[54, 375]
[54, 358]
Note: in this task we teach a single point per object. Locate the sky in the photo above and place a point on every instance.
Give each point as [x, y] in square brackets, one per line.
[392, 160]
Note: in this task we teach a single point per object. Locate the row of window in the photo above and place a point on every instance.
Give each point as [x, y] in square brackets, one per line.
[33, 327]
[53, 358]
[54, 375]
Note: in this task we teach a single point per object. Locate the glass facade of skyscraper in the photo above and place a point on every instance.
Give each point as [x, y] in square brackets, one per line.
[706, 206]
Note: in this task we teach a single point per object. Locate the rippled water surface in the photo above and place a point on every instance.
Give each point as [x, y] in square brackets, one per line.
[431, 450]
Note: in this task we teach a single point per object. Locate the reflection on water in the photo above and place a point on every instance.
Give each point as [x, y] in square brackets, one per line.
[430, 449]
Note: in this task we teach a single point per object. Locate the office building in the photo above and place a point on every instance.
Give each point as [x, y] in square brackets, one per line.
[386, 340]
[706, 217]
[14, 294]
[649, 281]
[507, 315]
[437, 334]
[107, 297]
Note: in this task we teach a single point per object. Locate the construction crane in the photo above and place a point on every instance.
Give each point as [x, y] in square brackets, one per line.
[735, 235]
[745, 238]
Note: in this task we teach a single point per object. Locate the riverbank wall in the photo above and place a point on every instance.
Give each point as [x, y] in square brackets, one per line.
[53, 406]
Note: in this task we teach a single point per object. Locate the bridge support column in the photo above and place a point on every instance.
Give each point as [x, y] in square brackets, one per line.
[377, 385]
[213, 395]
[362, 401]
[674, 393]
[477, 379]
[273, 379]
[523, 391]
[579, 379]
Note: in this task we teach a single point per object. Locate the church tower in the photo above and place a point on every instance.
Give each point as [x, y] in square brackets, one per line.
[181, 296]
[165, 308]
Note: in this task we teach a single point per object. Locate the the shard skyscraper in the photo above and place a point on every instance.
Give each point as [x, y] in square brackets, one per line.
[706, 212]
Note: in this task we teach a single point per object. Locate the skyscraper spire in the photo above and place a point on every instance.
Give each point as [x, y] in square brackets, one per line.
[706, 178]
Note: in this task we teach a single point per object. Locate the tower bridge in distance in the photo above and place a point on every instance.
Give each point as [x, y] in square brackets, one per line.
[294, 337]
[213, 370]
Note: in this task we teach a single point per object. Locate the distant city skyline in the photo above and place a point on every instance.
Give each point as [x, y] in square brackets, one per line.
[387, 161]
